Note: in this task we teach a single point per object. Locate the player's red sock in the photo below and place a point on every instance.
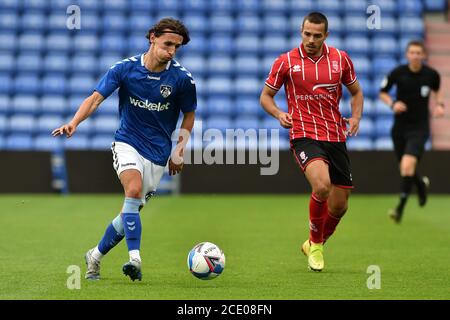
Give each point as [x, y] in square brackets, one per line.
[317, 210]
[329, 225]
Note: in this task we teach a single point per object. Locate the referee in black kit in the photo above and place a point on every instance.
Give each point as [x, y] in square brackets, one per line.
[415, 81]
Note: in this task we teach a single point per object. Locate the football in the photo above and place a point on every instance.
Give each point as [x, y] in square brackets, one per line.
[206, 261]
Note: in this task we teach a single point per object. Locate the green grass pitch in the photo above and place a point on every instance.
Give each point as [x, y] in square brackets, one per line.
[42, 235]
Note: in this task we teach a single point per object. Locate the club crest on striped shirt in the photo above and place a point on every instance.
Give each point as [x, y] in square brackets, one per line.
[165, 90]
[335, 66]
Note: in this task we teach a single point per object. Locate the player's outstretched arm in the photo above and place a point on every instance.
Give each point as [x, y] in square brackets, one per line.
[87, 107]
[267, 101]
[176, 160]
[357, 107]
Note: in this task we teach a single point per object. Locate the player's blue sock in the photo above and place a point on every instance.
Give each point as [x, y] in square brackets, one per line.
[113, 235]
[132, 223]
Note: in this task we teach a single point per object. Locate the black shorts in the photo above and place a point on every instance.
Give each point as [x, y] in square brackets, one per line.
[410, 142]
[333, 153]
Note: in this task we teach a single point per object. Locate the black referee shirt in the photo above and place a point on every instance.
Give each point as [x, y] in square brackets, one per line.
[413, 88]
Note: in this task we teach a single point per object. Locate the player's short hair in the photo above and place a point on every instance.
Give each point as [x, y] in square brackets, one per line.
[316, 18]
[416, 43]
[169, 25]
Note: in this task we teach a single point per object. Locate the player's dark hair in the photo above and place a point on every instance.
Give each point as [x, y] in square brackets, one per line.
[316, 18]
[416, 43]
[169, 25]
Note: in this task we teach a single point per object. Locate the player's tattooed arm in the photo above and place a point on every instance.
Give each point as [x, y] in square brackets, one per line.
[87, 107]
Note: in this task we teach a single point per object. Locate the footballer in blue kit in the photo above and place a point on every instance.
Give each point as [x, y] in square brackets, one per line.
[153, 89]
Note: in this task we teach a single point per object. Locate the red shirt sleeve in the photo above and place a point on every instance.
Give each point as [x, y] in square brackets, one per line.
[277, 74]
[348, 71]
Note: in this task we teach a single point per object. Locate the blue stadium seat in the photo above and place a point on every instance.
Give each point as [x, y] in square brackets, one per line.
[36, 5]
[359, 143]
[80, 84]
[221, 106]
[267, 63]
[85, 43]
[54, 104]
[369, 107]
[6, 84]
[119, 5]
[218, 122]
[362, 65]
[57, 21]
[249, 23]
[195, 22]
[366, 128]
[248, 65]
[25, 104]
[58, 42]
[9, 21]
[196, 64]
[275, 24]
[5, 104]
[31, 42]
[47, 123]
[221, 6]
[86, 63]
[410, 7]
[31, 21]
[219, 86]
[246, 122]
[411, 25]
[85, 127]
[77, 142]
[221, 43]
[336, 25]
[110, 106]
[21, 124]
[246, 43]
[435, 5]
[114, 43]
[90, 22]
[45, 142]
[56, 62]
[29, 62]
[384, 45]
[140, 22]
[194, 6]
[6, 62]
[10, 5]
[54, 83]
[105, 124]
[345, 108]
[357, 44]
[27, 84]
[355, 24]
[221, 23]
[301, 8]
[137, 43]
[19, 142]
[383, 65]
[2, 142]
[142, 6]
[384, 143]
[329, 7]
[355, 7]
[8, 41]
[383, 125]
[247, 106]
[75, 102]
[368, 89]
[58, 5]
[219, 65]
[114, 22]
[4, 124]
[276, 7]
[248, 86]
[381, 108]
[252, 6]
[333, 41]
[388, 7]
[275, 44]
[101, 142]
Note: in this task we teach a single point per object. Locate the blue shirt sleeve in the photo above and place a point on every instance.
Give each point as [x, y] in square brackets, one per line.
[110, 81]
[187, 98]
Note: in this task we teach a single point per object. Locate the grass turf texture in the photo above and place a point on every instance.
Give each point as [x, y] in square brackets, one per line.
[261, 236]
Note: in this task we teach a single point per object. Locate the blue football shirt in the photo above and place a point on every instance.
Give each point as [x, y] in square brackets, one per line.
[149, 104]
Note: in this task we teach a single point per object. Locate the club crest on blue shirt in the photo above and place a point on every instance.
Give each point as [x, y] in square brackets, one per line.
[165, 90]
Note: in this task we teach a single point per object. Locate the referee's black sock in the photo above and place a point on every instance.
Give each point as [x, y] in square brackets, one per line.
[406, 186]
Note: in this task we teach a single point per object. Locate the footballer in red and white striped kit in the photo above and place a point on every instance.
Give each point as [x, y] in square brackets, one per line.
[313, 75]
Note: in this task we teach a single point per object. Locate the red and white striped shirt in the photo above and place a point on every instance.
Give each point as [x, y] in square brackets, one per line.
[313, 90]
